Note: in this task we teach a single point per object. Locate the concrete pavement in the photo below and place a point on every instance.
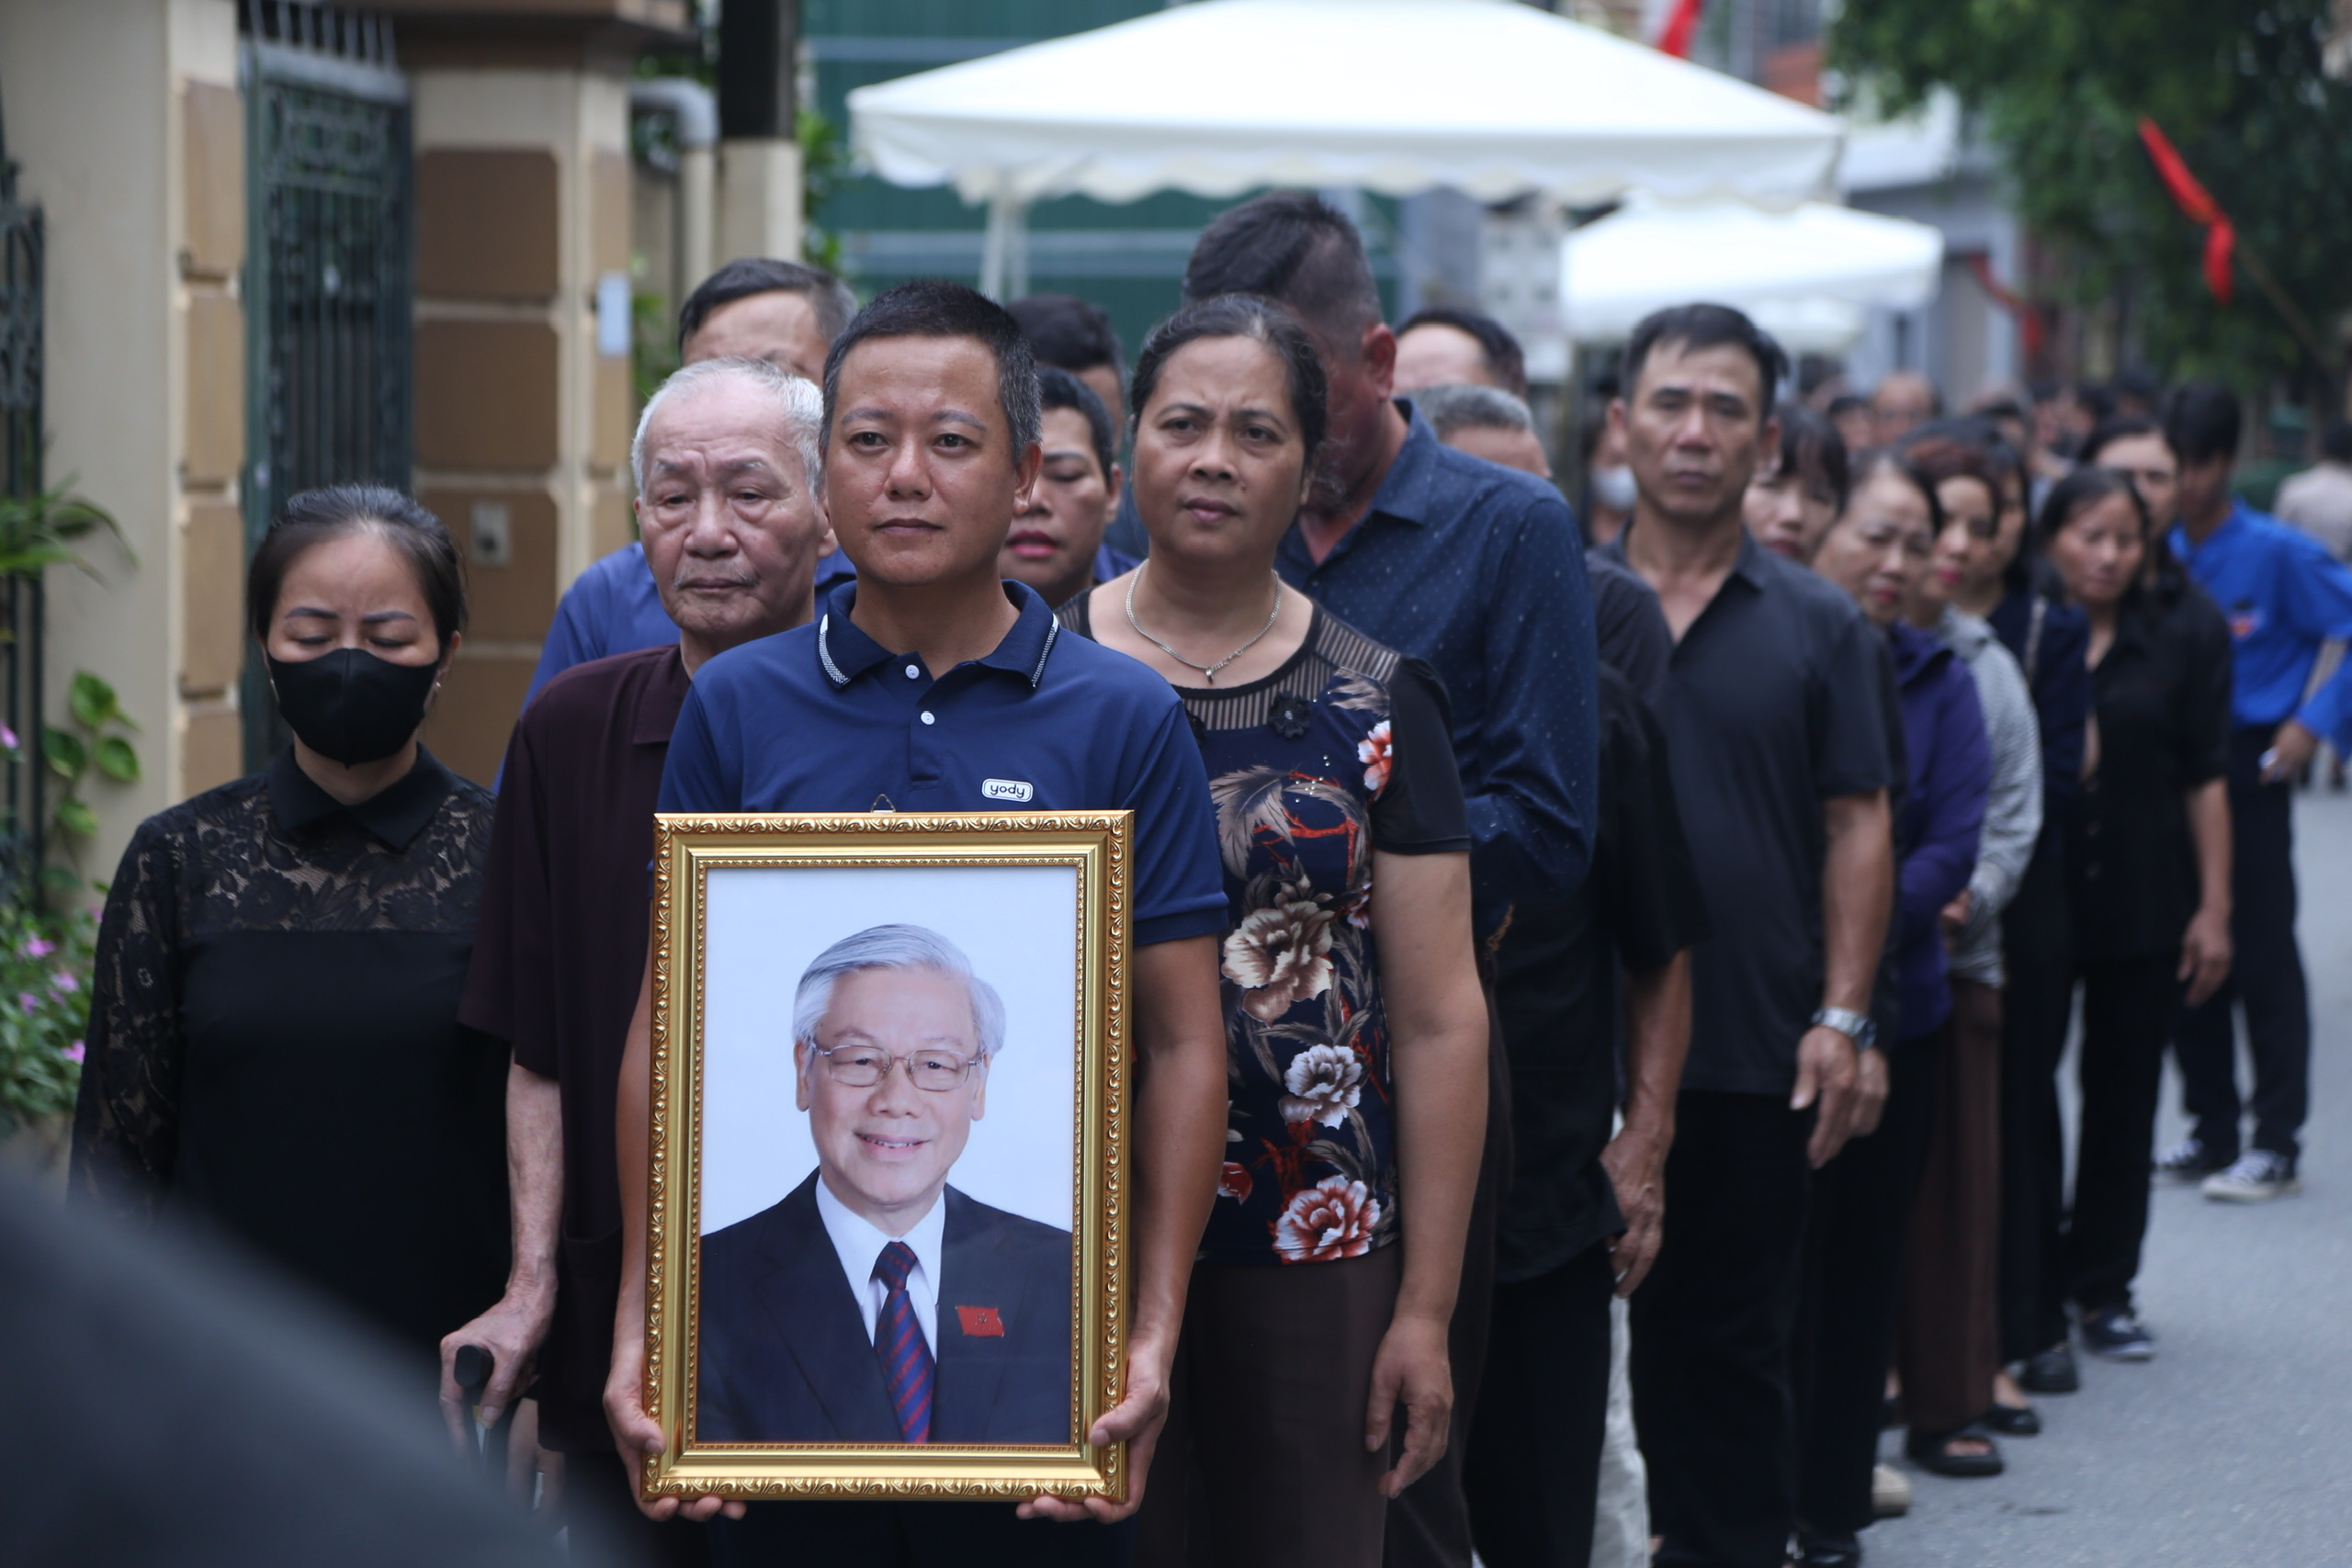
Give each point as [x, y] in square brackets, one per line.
[2233, 1448]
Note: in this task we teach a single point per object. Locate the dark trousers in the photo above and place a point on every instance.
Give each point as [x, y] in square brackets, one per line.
[912, 1535]
[1711, 1327]
[600, 1511]
[1262, 1460]
[2265, 977]
[1429, 1527]
[1855, 1235]
[1534, 1459]
[2037, 954]
[1946, 1342]
[2129, 1006]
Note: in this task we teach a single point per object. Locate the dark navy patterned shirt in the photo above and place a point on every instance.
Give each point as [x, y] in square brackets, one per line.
[1479, 569]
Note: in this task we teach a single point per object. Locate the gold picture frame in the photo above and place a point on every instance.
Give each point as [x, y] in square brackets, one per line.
[702, 1016]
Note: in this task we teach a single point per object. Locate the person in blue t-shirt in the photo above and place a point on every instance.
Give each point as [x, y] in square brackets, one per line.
[754, 308]
[2284, 597]
[928, 683]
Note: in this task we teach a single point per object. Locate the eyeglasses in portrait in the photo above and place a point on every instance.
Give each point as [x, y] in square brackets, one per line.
[887, 1075]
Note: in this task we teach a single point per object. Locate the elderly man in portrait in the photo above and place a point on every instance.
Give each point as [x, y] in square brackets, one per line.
[876, 1303]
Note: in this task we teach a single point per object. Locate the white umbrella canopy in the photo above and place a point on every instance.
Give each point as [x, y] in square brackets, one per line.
[1805, 275]
[1488, 98]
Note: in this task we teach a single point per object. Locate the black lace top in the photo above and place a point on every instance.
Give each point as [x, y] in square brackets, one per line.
[273, 1043]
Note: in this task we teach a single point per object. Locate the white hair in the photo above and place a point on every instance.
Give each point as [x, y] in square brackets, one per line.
[894, 947]
[799, 401]
[1449, 409]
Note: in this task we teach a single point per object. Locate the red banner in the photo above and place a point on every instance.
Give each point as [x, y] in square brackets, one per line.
[1681, 23]
[2029, 319]
[2195, 203]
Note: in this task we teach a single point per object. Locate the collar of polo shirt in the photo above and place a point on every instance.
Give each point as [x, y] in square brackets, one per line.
[845, 653]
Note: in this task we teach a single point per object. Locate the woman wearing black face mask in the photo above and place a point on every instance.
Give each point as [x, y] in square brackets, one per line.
[274, 1047]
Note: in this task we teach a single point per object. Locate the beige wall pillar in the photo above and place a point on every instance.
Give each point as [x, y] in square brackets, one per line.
[125, 118]
[759, 197]
[522, 422]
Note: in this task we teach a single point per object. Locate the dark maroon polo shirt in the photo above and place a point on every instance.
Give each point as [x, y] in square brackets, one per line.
[557, 961]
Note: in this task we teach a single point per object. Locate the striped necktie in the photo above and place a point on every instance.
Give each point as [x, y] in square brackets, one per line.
[898, 1340]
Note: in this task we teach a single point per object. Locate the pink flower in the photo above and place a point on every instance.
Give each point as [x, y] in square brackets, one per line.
[1281, 955]
[1325, 1083]
[1374, 752]
[8, 738]
[35, 948]
[71, 1053]
[65, 983]
[1232, 1182]
[1334, 1218]
[28, 1001]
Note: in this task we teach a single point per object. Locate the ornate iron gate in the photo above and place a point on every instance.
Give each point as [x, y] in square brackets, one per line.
[327, 284]
[21, 476]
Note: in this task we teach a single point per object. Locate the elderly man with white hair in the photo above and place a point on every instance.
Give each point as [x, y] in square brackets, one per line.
[733, 522]
[875, 1303]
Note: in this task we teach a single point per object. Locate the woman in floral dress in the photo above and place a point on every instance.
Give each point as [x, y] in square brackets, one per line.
[1312, 1382]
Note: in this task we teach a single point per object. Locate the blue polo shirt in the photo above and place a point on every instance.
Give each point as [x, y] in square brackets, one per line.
[615, 607]
[824, 718]
[1479, 569]
[2283, 595]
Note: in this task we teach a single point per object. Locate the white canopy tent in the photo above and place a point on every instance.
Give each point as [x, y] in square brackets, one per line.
[1488, 98]
[1805, 275]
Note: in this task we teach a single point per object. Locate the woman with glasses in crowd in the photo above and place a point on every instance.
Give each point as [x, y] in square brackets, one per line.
[1877, 549]
[273, 1046]
[1356, 1028]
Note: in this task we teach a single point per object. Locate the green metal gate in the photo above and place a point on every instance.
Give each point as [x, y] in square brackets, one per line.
[20, 594]
[327, 283]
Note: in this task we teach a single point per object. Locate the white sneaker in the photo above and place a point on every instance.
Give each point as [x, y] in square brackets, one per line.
[2257, 1177]
[2186, 1163]
[1890, 1492]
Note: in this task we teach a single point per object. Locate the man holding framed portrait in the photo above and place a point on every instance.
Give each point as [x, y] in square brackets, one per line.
[929, 685]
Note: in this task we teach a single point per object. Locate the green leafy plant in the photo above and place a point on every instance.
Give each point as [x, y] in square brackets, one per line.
[2242, 88]
[824, 164]
[95, 741]
[39, 531]
[45, 968]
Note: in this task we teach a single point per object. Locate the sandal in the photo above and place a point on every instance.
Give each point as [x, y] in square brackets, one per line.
[1933, 1451]
[2012, 1420]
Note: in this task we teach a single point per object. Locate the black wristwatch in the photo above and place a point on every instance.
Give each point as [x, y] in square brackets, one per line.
[1858, 1027]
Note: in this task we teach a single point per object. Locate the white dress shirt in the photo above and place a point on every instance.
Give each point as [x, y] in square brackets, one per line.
[860, 1247]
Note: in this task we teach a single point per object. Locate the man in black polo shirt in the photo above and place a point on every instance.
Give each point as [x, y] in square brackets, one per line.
[923, 682]
[1777, 744]
[1479, 569]
[563, 914]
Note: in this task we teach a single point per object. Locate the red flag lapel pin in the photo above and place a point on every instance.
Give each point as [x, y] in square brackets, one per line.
[980, 1323]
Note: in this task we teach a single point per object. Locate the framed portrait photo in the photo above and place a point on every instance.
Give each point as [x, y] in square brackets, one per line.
[889, 1095]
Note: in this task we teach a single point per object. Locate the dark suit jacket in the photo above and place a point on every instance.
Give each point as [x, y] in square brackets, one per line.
[785, 1358]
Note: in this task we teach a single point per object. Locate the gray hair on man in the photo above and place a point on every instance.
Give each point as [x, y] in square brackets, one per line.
[1449, 409]
[894, 947]
[799, 401]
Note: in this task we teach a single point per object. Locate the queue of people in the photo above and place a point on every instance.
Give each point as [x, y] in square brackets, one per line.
[1698, 922]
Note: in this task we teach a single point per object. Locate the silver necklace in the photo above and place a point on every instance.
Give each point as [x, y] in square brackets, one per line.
[1208, 671]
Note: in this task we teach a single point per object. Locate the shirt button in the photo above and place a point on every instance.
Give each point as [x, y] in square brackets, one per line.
[927, 718]
[914, 672]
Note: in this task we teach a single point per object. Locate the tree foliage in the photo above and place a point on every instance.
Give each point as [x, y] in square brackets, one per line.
[2237, 84]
